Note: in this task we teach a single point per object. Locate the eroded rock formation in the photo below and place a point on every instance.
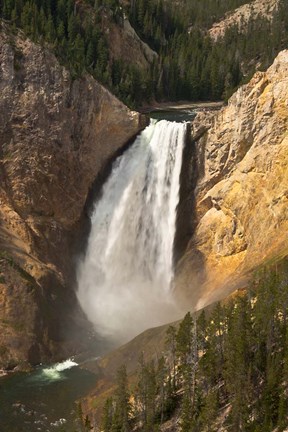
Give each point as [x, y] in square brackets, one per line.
[241, 17]
[241, 198]
[56, 135]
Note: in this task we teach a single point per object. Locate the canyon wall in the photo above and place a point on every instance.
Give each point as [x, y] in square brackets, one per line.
[57, 134]
[242, 16]
[239, 208]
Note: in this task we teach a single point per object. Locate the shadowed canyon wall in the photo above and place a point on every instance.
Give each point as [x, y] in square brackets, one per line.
[56, 136]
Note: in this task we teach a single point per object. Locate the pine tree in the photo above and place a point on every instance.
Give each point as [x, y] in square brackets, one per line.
[146, 394]
[209, 412]
[187, 351]
[171, 348]
[107, 417]
[120, 420]
[186, 413]
[237, 361]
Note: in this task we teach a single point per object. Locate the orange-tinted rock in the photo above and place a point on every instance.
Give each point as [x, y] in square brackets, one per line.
[242, 189]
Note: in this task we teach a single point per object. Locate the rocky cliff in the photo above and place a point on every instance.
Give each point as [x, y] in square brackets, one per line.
[239, 209]
[56, 135]
[241, 17]
[235, 184]
[125, 45]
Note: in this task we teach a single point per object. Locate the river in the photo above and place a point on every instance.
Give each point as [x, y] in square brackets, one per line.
[43, 400]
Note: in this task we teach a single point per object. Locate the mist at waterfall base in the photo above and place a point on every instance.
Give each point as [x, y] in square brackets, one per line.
[125, 278]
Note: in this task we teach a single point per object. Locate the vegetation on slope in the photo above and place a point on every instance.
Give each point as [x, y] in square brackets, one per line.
[190, 66]
[205, 13]
[194, 67]
[227, 368]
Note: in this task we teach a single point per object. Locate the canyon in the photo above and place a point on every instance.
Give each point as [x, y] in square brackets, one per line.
[112, 223]
[58, 135]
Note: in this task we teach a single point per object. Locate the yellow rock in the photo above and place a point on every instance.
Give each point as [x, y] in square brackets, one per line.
[242, 194]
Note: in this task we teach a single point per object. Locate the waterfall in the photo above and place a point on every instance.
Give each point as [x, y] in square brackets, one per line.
[125, 277]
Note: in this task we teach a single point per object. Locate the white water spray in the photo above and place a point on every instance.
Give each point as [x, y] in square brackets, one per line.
[54, 372]
[125, 277]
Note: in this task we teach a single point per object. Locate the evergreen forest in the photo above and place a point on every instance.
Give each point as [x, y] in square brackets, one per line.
[227, 367]
[189, 65]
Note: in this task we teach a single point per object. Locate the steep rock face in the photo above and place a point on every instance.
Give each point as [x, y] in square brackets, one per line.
[241, 199]
[242, 15]
[125, 45]
[56, 135]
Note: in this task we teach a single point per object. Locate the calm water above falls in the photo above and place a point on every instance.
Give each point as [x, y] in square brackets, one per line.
[125, 277]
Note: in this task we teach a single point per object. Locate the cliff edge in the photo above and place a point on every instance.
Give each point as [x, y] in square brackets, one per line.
[241, 195]
[56, 136]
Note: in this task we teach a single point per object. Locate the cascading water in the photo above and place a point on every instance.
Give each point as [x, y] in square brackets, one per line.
[125, 277]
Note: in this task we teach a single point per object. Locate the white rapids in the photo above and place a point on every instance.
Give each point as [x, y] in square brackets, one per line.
[54, 372]
[125, 277]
